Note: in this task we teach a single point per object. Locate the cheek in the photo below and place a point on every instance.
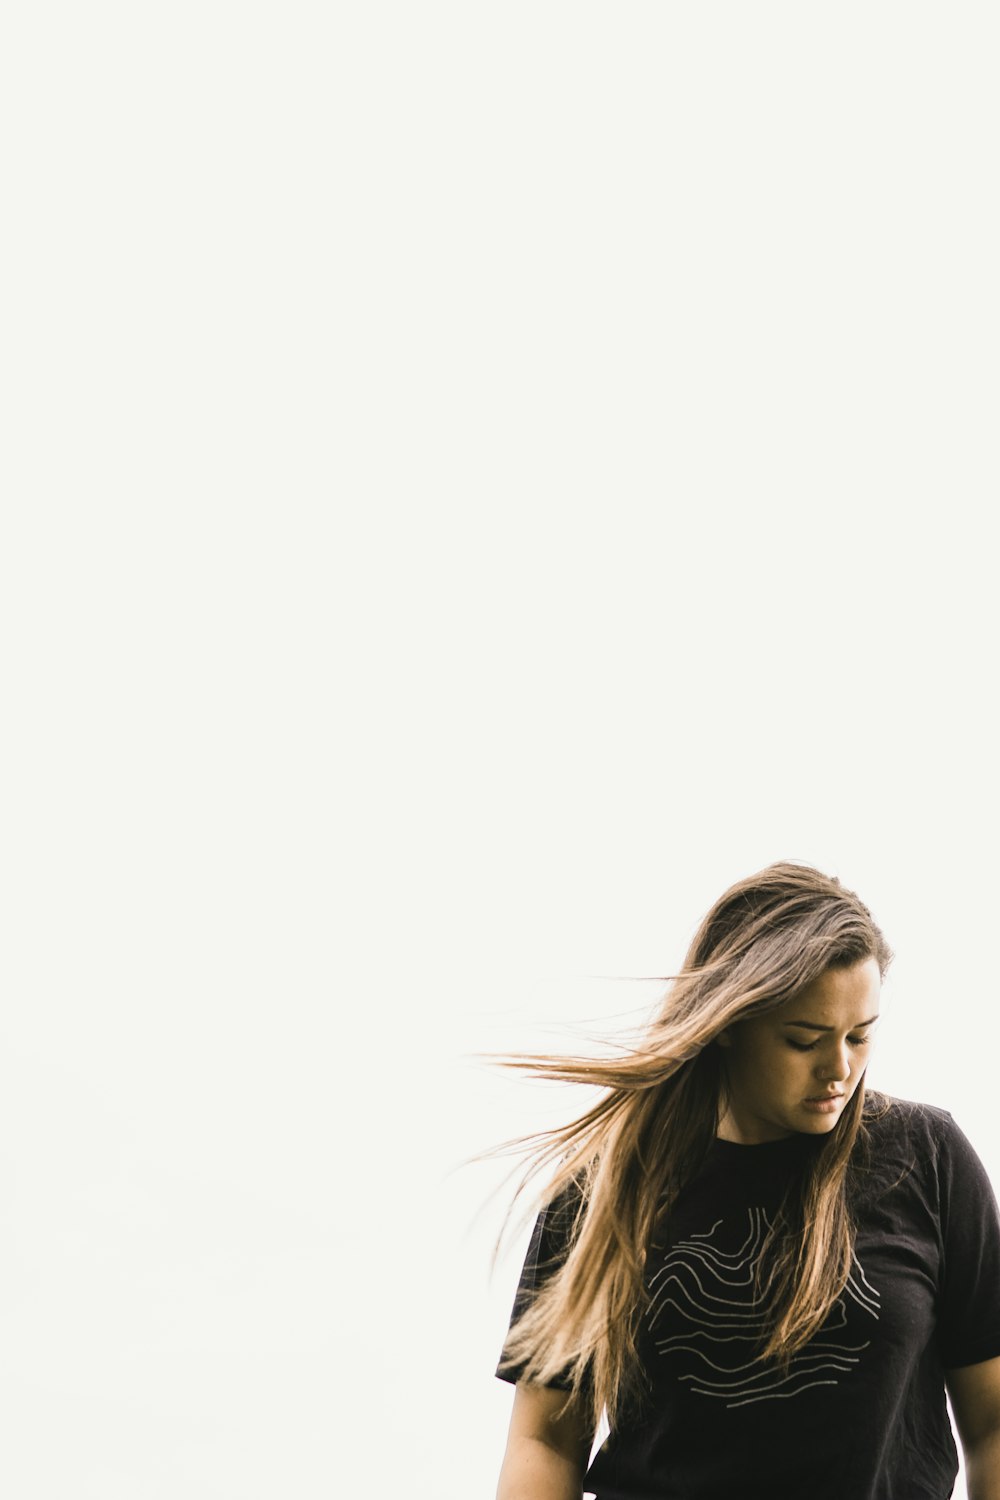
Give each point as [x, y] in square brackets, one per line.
[799, 1067]
[783, 1062]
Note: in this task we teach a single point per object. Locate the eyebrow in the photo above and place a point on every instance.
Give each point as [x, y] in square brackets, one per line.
[814, 1026]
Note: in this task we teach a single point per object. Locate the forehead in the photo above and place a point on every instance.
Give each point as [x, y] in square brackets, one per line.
[838, 997]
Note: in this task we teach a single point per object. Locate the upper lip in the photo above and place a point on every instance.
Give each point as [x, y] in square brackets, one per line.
[815, 1098]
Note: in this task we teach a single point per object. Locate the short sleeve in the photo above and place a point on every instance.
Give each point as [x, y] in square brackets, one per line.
[969, 1307]
[547, 1251]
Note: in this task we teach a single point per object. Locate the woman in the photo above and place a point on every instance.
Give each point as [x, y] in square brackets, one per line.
[764, 1278]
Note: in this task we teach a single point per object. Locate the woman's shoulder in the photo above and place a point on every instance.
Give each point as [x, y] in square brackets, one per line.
[888, 1112]
[921, 1150]
[911, 1128]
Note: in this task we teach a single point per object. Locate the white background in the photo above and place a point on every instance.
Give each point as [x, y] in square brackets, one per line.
[479, 480]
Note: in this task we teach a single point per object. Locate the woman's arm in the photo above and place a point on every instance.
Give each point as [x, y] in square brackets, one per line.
[975, 1400]
[547, 1454]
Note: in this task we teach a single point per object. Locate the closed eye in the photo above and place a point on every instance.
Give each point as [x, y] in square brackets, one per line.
[855, 1041]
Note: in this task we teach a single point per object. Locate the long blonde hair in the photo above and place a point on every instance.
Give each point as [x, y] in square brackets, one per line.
[625, 1159]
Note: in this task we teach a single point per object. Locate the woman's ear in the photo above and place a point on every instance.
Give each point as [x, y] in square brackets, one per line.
[724, 1038]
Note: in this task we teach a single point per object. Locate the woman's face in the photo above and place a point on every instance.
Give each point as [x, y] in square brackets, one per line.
[795, 1069]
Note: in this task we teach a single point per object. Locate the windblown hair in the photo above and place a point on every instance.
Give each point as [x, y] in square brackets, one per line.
[624, 1161]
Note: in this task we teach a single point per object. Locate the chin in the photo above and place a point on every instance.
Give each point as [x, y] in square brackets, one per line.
[804, 1122]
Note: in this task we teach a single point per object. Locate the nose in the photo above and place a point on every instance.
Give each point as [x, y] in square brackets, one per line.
[835, 1067]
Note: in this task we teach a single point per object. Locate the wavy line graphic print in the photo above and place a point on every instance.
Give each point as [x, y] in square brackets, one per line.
[710, 1292]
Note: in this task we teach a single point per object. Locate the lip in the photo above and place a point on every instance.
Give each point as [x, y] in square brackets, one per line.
[823, 1104]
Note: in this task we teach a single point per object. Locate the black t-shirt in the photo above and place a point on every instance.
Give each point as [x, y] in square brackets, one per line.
[860, 1413]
